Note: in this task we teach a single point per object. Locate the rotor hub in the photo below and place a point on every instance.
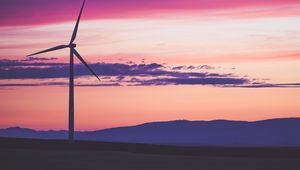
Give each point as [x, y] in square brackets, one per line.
[73, 45]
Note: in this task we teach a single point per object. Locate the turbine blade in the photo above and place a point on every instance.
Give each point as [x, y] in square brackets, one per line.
[77, 24]
[50, 49]
[82, 60]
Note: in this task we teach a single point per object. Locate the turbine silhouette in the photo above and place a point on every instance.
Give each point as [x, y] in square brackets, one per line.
[73, 52]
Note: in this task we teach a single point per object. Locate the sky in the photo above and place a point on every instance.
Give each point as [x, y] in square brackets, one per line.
[157, 61]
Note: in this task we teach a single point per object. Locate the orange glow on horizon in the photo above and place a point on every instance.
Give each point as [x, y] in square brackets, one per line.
[105, 107]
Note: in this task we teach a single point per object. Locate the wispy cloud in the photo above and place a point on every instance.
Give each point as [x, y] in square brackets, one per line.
[39, 59]
[4, 63]
[268, 85]
[191, 67]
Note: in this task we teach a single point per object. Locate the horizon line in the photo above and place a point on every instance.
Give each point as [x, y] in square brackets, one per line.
[163, 121]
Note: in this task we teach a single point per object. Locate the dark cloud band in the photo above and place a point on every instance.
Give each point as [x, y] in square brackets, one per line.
[117, 73]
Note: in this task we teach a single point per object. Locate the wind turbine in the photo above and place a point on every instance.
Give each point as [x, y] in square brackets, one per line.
[73, 52]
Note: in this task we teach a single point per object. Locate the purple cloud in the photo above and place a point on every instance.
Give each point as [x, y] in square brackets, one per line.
[116, 73]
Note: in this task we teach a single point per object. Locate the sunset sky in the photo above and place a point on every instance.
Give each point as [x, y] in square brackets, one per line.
[158, 60]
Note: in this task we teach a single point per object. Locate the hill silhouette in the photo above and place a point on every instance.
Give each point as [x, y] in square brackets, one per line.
[266, 133]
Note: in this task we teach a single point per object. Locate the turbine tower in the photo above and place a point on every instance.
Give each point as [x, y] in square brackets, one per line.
[73, 52]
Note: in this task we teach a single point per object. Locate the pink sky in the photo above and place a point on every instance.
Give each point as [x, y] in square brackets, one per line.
[252, 39]
[19, 12]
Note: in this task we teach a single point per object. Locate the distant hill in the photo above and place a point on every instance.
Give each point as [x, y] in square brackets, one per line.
[270, 133]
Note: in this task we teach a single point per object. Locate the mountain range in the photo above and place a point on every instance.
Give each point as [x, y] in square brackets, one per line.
[266, 133]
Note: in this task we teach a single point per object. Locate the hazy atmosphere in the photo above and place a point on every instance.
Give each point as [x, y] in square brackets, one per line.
[157, 61]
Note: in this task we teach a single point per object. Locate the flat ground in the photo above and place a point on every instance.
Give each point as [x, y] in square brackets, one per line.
[56, 155]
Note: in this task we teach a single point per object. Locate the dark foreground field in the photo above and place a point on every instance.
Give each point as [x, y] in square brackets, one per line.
[55, 155]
